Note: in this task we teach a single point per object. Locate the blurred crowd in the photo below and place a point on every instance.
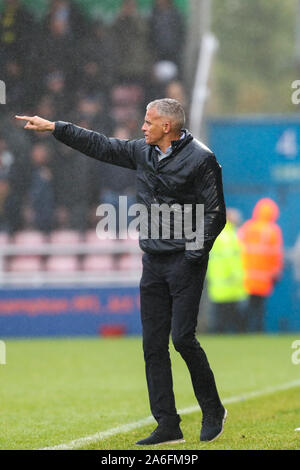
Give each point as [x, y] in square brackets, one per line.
[69, 67]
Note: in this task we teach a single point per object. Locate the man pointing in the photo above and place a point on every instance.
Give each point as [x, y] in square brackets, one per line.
[171, 168]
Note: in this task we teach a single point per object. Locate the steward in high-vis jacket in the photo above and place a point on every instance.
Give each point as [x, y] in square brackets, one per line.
[262, 248]
[262, 255]
[225, 271]
[225, 278]
[174, 169]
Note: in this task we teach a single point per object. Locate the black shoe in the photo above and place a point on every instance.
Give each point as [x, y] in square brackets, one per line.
[213, 425]
[162, 435]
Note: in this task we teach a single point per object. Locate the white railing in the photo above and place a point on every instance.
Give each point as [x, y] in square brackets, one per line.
[81, 277]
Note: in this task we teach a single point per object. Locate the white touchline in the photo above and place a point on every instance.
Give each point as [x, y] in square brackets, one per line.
[100, 436]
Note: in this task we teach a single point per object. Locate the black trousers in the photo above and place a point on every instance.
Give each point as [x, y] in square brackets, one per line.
[170, 291]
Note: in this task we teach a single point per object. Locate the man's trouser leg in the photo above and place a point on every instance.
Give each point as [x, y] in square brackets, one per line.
[156, 311]
[170, 295]
[186, 284]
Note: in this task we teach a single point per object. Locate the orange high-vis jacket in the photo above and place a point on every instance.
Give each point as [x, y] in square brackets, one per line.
[262, 248]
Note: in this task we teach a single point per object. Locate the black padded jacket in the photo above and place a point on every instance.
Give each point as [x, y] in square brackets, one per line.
[188, 177]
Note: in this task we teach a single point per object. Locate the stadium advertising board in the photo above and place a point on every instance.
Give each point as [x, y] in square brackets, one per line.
[69, 311]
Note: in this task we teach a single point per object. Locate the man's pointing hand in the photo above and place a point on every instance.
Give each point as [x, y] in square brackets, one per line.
[36, 123]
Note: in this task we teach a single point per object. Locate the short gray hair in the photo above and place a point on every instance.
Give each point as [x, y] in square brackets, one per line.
[170, 108]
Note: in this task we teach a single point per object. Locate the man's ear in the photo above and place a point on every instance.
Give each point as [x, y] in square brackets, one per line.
[167, 127]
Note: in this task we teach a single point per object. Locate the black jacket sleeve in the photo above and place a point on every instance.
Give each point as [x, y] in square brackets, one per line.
[209, 192]
[96, 145]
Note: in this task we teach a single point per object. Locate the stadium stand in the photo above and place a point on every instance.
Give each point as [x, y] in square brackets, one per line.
[80, 80]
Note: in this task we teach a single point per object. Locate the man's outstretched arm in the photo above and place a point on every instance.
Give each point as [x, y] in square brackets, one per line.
[36, 123]
[93, 144]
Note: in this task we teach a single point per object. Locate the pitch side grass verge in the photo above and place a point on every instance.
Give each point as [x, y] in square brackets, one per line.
[57, 390]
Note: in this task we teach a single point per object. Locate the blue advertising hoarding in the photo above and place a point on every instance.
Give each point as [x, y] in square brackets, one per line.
[257, 150]
[69, 311]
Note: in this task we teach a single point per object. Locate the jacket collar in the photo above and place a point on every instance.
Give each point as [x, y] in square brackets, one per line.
[180, 143]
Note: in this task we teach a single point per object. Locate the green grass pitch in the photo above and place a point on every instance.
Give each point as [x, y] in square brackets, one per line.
[54, 391]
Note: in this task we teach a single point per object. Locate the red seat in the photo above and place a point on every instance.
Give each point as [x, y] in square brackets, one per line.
[25, 264]
[98, 263]
[65, 237]
[68, 263]
[29, 238]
